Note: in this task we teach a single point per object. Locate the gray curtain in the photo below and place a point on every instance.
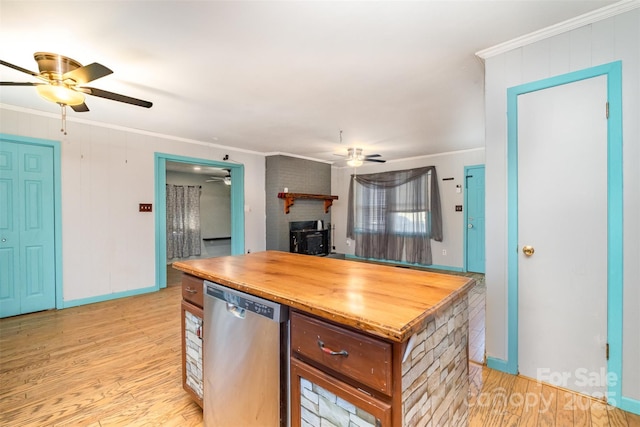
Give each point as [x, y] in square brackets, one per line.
[394, 215]
[183, 221]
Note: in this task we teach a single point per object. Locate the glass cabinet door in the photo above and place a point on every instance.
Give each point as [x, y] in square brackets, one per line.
[317, 396]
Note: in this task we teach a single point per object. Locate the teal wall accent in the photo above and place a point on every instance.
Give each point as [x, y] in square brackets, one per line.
[630, 405]
[465, 222]
[109, 297]
[613, 71]
[57, 188]
[237, 207]
[499, 365]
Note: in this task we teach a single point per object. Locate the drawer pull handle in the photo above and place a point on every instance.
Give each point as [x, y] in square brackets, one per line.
[331, 352]
[191, 291]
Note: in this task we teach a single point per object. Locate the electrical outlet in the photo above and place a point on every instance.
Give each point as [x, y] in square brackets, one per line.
[145, 207]
[444, 252]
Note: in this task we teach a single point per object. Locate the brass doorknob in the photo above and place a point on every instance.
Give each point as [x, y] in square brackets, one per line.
[528, 250]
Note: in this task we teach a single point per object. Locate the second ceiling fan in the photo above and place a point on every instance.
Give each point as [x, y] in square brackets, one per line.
[226, 179]
[355, 157]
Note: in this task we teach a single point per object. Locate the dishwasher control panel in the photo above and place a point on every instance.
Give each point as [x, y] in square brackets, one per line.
[246, 302]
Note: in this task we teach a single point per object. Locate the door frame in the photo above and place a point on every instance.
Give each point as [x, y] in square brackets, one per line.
[57, 204]
[466, 216]
[615, 250]
[236, 171]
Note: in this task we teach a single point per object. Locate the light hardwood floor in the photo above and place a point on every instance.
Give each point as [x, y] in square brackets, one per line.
[117, 363]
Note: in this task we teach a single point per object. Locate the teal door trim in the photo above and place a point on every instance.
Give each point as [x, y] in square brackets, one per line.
[615, 249]
[465, 231]
[57, 201]
[237, 207]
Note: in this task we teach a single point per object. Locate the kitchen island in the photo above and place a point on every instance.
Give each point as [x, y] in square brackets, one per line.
[389, 345]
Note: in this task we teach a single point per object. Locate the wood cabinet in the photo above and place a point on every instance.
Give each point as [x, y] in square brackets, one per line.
[338, 375]
[192, 290]
[192, 315]
[406, 345]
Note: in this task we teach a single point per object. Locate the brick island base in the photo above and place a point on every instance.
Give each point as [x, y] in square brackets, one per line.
[435, 375]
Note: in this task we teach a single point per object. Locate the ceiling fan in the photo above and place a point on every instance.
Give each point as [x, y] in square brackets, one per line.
[226, 179]
[61, 80]
[355, 157]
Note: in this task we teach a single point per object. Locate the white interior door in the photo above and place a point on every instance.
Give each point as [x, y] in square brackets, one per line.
[562, 214]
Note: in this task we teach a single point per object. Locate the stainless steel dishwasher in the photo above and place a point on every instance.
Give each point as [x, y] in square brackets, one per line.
[245, 364]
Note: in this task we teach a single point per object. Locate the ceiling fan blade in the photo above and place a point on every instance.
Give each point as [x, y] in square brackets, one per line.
[114, 96]
[20, 84]
[87, 73]
[80, 108]
[368, 156]
[16, 67]
[375, 160]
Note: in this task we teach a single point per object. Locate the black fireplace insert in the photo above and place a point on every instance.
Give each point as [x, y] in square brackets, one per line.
[307, 237]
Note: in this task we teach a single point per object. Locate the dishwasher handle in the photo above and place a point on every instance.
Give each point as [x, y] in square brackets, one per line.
[238, 312]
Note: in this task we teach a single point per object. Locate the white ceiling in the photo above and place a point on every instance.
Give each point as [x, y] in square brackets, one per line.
[400, 78]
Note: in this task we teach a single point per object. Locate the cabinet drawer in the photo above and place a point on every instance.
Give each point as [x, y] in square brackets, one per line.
[192, 289]
[357, 356]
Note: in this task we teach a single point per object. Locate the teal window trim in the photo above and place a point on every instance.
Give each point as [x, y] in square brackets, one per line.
[615, 229]
[237, 207]
[57, 190]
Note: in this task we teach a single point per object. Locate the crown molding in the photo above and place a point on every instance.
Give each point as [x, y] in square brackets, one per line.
[125, 129]
[297, 156]
[562, 27]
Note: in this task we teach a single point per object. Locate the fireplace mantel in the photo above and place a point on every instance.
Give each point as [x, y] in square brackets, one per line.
[289, 198]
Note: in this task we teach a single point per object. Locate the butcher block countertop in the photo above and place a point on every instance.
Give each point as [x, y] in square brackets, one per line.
[385, 301]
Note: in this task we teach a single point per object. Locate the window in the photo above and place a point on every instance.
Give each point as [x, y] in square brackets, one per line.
[393, 215]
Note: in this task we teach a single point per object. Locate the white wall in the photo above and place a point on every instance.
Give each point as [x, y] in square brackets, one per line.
[616, 38]
[108, 246]
[448, 165]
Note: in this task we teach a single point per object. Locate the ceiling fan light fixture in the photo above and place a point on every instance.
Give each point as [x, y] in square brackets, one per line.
[354, 162]
[354, 157]
[227, 180]
[60, 94]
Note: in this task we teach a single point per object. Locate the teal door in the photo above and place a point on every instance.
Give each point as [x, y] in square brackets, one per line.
[27, 236]
[474, 218]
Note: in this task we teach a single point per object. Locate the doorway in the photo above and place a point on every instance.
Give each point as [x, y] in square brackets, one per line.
[210, 213]
[474, 219]
[236, 231]
[552, 298]
[562, 268]
[30, 250]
